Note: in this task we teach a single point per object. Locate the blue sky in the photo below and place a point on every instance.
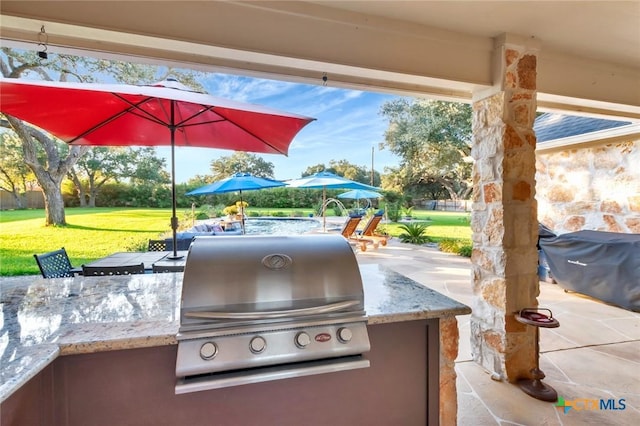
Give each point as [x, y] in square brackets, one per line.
[347, 126]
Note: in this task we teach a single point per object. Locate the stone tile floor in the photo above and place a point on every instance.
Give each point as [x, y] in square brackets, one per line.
[594, 354]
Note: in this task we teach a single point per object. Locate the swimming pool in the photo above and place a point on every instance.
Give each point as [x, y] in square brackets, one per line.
[280, 225]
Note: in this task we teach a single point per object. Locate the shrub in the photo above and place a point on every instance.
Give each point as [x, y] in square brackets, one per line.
[414, 233]
[216, 211]
[407, 211]
[466, 250]
[337, 211]
[393, 211]
[457, 246]
[382, 230]
[235, 208]
[135, 244]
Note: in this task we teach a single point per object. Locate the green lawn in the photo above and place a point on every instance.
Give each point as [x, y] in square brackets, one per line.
[94, 233]
[89, 234]
[441, 225]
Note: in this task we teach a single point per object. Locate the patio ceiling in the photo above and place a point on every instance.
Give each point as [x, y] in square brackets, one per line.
[589, 60]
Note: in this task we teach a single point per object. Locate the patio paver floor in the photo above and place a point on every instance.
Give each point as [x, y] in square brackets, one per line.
[594, 354]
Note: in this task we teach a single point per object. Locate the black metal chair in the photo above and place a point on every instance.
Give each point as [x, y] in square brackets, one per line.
[54, 264]
[167, 244]
[112, 270]
[182, 244]
[157, 245]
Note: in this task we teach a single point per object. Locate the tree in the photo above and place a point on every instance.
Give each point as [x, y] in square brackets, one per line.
[49, 160]
[104, 164]
[433, 140]
[59, 160]
[357, 173]
[15, 176]
[149, 178]
[97, 167]
[241, 162]
[312, 170]
[345, 169]
[145, 166]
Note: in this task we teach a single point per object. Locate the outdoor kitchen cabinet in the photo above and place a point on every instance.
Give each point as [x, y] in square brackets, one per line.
[136, 386]
[125, 372]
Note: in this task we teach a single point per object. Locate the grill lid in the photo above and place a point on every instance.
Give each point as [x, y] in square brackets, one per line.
[269, 278]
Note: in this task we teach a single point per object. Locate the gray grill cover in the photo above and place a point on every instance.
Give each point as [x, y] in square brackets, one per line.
[604, 265]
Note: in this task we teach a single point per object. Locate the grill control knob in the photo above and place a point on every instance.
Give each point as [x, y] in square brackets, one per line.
[302, 340]
[257, 344]
[208, 350]
[344, 335]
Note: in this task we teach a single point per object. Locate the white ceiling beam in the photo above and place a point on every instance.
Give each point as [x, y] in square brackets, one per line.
[298, 41]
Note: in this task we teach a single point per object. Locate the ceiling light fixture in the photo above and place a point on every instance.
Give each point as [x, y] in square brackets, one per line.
[43, 40]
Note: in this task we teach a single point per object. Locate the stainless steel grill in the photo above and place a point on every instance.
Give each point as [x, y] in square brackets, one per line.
[257, 308]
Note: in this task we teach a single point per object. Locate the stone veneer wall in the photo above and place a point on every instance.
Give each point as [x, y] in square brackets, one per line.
[595, 188]
[504, 220]
[449, 337]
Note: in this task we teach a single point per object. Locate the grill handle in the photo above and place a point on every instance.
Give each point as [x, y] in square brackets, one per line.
[331, 307]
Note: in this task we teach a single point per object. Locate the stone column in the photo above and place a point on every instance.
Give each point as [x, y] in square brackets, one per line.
[449, 337]
[504, 219]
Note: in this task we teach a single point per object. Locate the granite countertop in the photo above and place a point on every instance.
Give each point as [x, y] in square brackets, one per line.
[43, 319]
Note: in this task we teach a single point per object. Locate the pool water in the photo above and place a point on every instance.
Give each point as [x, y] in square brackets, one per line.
[280, 226]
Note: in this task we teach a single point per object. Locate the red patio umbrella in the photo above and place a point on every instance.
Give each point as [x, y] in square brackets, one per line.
[165, 113]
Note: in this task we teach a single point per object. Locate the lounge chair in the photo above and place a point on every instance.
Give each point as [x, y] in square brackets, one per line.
[349, 232]
[369, 230]
[54, 264]
[350, 226]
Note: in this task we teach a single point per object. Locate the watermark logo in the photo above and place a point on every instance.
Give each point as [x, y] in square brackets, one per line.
[586, 404]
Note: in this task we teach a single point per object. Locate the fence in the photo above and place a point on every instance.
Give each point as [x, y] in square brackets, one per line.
[446, 205]
[30, 200]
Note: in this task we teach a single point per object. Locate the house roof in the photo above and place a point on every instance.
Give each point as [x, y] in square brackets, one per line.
[550, 126]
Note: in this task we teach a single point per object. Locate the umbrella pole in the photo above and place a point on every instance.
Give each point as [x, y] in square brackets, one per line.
[324, 208]
[174, 218]
[242, 213]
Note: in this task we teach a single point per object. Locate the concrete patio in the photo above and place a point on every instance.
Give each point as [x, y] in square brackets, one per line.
[593, 355]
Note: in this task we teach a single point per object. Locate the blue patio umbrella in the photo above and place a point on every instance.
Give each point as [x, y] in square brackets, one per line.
[238, 182]
[358, 194]
[323, 180]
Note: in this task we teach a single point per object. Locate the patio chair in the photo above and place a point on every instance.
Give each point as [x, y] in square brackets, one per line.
[112, 270]
[349, 232]
[157, 245]
[350, 226]
[369, 230]
[54, 264]
[182, 242]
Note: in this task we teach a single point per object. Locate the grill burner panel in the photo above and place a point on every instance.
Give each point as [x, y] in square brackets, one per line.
[249, 350]
[258, 308]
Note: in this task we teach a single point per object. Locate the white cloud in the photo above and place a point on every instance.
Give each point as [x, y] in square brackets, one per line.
[347, 125]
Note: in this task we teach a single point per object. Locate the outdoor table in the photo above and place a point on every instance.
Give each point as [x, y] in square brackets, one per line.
[149, 258]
